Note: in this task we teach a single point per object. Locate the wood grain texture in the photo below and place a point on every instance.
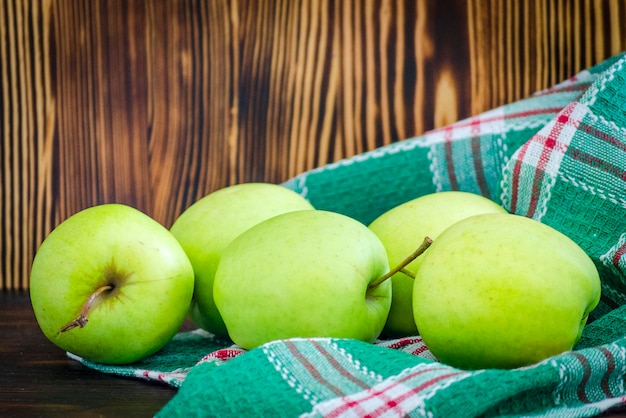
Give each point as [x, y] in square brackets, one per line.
[155, 103]
[27, 108]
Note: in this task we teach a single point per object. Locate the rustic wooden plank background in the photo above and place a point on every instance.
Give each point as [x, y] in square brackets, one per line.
[155, 103]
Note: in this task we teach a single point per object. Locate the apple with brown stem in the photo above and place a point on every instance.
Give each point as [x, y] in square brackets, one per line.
[111, 285]
[304, 274]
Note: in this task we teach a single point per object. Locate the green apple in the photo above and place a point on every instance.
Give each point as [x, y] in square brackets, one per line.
[403, 227]
[210, 224]
[110, 284]
[503, 291]
[303, 274]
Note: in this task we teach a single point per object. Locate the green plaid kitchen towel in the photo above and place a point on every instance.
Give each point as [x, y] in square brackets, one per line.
[558, 157]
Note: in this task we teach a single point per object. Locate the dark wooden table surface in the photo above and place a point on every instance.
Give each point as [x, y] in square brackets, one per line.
[38, 380]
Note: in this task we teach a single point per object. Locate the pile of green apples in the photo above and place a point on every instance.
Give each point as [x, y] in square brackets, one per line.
[256, 262]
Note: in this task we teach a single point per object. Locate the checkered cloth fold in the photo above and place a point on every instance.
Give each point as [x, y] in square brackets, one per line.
[559, 157]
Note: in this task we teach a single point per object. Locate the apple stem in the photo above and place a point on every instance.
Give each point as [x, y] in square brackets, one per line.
[401, 267]
[82, 320]
[408, 273]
